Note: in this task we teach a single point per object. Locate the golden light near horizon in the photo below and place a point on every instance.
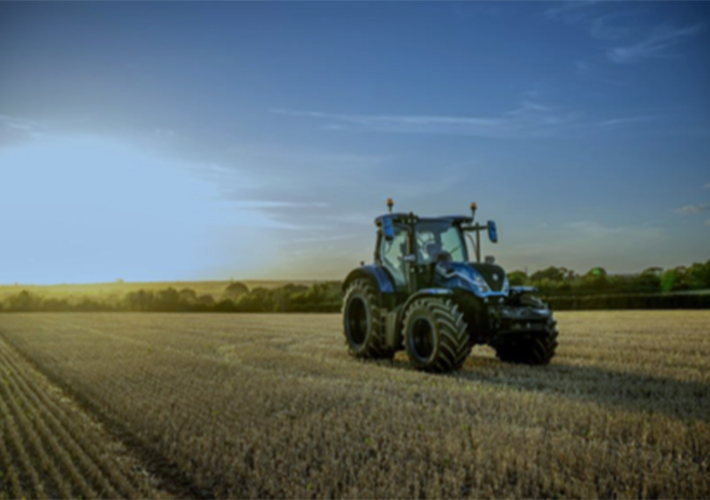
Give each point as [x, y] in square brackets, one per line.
[89, 209]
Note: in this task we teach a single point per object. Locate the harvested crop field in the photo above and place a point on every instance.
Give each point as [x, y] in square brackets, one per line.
[272, 406]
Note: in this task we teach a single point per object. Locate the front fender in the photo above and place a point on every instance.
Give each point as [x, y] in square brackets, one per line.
[427, 292]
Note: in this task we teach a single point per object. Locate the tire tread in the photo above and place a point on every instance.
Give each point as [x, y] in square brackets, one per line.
[374, 346]
[454, 345]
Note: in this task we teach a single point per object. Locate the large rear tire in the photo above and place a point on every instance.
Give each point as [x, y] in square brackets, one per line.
[435, 335]
[535, 348]
[362, 323]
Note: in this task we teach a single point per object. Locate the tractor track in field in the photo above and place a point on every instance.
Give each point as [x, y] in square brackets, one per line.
[56, 444]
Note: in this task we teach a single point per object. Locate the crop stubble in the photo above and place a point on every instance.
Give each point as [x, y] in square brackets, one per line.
[272, 406]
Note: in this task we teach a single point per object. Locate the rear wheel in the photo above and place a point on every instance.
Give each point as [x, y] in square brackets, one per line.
[362, 324]
[435, 335]
[534, 348]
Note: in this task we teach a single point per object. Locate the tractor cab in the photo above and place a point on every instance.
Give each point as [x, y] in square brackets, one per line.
[410, 247]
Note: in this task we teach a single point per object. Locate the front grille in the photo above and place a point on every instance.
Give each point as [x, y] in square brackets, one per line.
[493, 274]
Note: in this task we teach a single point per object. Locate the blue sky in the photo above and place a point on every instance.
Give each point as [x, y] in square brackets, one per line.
[164, 141]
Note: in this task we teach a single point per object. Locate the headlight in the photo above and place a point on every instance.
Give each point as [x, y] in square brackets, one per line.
[480, 282]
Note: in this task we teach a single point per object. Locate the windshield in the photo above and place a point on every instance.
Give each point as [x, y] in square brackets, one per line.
[439, 241]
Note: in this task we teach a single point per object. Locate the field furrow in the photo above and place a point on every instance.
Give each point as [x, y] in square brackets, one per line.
[74, 440]
[46, 453]
[10, 483]
[24, 445]
[54, 453]
[272, 406]
[70, 460]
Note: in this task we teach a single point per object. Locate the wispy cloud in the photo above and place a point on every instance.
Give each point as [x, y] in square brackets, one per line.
[14, 130]
[598, 230]
[528, 106]
[266, 204]
[707, 186]
[694, 209]
[318, 239]
[622, 121]
[615, 26]
[654, 46]
[592, 228]
[530, 119]
[571, 10]
[633, 40]
[594, 72]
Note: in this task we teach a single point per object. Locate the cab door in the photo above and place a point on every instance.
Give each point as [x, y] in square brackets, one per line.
[392, 253]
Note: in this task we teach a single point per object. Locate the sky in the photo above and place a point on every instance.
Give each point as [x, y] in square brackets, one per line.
[160, 141]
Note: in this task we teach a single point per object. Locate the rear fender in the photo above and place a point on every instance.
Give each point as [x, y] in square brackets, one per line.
[376, 274]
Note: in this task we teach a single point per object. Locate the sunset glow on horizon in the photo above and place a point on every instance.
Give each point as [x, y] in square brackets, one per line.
[94, 210]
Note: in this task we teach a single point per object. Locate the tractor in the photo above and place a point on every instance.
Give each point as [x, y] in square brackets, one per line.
[422, 295]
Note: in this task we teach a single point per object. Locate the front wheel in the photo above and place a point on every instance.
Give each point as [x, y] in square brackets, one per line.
[435, 335]
[535, 348]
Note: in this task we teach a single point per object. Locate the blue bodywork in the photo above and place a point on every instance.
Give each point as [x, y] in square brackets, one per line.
[462, 276]
[448, 276]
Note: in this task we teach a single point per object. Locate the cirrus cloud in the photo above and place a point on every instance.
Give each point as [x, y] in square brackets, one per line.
[696, 209]
[653, 46]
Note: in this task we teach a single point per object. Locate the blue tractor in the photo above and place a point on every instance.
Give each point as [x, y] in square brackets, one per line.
[424, 296]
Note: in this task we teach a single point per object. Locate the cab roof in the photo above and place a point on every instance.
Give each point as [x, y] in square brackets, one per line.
[399, 217]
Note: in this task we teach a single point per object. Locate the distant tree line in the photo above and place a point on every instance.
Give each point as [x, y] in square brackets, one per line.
[564, 289]
[654, 288]
[237, 297]
[563, 281]
[628, 301]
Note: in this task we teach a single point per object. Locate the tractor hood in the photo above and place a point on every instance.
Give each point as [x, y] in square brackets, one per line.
[483, 280]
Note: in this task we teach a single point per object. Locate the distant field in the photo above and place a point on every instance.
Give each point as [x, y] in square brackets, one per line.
[120, 289]
[272, 406]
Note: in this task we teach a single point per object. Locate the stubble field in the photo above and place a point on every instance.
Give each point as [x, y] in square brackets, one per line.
[146, 405]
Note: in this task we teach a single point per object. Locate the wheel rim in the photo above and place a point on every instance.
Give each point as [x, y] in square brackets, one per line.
[421, 340]
[357, 321]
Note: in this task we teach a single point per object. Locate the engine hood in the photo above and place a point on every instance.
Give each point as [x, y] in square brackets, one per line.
[483, 280]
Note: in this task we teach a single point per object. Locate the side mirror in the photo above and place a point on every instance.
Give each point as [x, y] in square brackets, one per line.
[388, 228]
[492, 231]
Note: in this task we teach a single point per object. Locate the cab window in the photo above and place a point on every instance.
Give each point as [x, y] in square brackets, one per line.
[435, 239]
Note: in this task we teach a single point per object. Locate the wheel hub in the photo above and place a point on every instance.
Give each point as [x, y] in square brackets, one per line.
[357, 321]
[422, 339]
